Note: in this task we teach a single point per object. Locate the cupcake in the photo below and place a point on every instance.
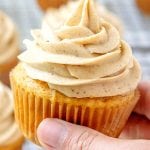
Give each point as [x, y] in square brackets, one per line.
[55, 18]
[144, 5]
[82, 73]
[45, 4]
[9, 47]
[10, 136]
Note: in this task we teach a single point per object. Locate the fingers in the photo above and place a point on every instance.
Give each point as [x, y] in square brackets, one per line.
[143, 106]
[55, 134]
[138, 127]
[51, 134]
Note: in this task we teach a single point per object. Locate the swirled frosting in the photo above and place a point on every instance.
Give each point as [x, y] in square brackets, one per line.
[9, 43]
[9, 131]
[55, 18]
[84, 58]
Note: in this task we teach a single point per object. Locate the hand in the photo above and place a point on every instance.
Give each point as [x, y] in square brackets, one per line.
[55, 134]
[138, 126]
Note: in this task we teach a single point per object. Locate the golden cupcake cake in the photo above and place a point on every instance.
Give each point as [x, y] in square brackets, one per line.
[55, 18]
[45, 4]
[9, 47]
[10, 136]
[144, 6]
[82, 73]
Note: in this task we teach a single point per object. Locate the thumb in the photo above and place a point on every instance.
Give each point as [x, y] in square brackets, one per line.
[58, 134]
[55, 134]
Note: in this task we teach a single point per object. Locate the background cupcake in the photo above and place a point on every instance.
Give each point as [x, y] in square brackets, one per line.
[9, 47]
[144, 6]
[45, 4]
[82, 73]
[10, 136]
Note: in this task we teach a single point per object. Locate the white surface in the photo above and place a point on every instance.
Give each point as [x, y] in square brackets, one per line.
[30, 146]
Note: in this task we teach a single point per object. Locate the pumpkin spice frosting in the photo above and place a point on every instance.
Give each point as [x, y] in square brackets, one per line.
[55, 18]
[84, 58]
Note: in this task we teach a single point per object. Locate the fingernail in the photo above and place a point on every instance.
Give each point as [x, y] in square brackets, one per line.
[51, 132]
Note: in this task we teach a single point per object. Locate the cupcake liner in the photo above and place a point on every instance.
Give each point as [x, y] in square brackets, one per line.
[107, 116]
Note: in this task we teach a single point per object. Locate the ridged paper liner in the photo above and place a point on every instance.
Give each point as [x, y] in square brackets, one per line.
[30, 110]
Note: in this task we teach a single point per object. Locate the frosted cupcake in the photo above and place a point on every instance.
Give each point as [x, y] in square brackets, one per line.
[10, 136]
[55, 18]
[82, 73]
[9, 47]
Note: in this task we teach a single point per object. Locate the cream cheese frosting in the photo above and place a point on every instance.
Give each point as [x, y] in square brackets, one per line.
[9, 131]
[84, 58]
[55, 18]
[9, 43]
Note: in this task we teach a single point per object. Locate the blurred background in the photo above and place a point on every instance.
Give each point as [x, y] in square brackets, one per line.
[27, 15]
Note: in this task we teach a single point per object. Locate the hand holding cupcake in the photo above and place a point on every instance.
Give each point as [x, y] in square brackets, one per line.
[82, 73]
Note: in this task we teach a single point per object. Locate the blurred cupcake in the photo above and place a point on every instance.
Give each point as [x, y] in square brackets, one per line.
[45, 4]
[144, 5]
[9, 47]
[55, 18]
[10, 136]
[82, 73]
